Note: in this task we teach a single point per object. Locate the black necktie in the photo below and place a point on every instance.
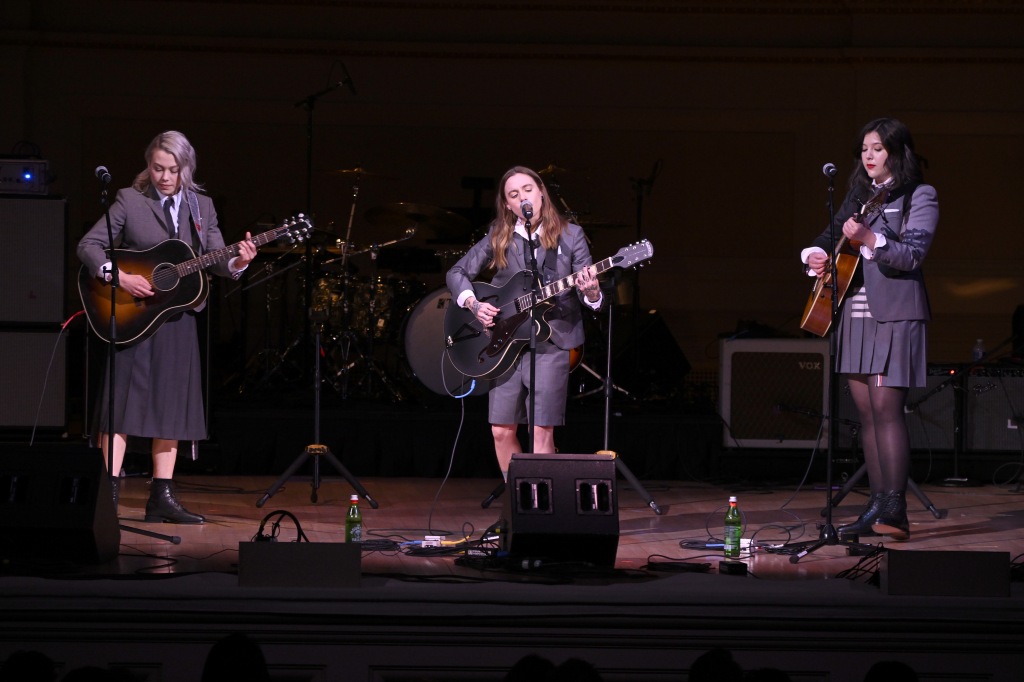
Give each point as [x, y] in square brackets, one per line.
[171, 230]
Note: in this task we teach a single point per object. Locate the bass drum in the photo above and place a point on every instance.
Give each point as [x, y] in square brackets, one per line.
[423, 340]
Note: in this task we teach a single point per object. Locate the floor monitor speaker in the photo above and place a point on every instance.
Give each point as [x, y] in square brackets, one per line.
[562, 508]
[56, 507]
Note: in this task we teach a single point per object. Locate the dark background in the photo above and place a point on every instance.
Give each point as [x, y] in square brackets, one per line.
[702, 126]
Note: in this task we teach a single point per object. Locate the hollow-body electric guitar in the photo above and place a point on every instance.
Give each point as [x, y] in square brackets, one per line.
[817, 317]
[489, 353]
[178, 280]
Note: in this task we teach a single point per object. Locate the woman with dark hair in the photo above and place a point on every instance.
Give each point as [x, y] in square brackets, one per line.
[561, 250]
[157, 382]
[889, 216]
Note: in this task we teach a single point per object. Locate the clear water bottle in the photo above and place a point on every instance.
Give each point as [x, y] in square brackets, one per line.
[978, 350]
[354, 521]
[733, 529]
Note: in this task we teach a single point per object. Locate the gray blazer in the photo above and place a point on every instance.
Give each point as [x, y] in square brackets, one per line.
[893, 278]
[565, 318]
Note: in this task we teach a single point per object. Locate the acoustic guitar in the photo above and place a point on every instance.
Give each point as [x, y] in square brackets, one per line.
[817, 317]
[178, 280]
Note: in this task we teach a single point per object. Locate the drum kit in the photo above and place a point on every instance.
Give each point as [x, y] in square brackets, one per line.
[378, 323]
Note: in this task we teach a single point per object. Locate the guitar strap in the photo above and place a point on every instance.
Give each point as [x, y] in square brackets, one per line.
[196, 221]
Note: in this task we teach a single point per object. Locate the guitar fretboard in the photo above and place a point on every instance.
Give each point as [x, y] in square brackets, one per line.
[226, 253]
[640, 252]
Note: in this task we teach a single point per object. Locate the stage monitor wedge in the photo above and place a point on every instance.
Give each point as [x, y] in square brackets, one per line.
[562, 508]
[56, 508]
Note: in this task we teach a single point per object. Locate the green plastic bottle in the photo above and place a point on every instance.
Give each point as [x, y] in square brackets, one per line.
[354, 521]
[733, 529]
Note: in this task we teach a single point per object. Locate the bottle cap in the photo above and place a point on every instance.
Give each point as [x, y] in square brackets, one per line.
[353, 498]
[732, 498]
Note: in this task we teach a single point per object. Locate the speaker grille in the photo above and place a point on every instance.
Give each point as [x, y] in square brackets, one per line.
[774, 392]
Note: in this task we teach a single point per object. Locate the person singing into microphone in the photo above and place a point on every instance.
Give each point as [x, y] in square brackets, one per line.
[882, 344]
[561, 250]
[157, 382]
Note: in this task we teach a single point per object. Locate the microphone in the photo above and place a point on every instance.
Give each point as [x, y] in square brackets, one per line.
[527, 208]
[103, 174]
[347, 80]
[829, 169]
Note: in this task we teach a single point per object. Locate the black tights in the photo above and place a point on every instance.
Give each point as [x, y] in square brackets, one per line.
[884, 434]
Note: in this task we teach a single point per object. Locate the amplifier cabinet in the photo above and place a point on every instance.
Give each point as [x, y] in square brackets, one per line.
[773, 392]
[994, 398]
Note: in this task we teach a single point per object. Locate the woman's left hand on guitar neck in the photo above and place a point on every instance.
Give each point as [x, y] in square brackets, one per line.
[857, 233]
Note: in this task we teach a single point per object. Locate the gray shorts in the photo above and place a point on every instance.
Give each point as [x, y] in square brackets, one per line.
[507, 399]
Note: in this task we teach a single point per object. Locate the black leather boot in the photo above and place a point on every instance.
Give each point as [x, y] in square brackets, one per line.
[115, 490]
[892, 519]
[862, 526]
[164, 506]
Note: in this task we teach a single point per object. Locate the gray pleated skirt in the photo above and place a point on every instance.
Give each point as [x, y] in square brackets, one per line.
[895, 352]
[158, 391]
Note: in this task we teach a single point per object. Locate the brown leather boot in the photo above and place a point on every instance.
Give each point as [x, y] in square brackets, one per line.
[164, 506]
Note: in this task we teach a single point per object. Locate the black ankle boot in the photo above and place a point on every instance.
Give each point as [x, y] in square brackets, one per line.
[862, 526]
[115, 489]
[164, 506]
[892, 520]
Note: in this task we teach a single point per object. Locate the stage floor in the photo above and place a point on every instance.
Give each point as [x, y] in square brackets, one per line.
[444, 614]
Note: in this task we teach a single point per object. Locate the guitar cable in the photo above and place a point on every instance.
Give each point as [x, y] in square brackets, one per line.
[46, 377]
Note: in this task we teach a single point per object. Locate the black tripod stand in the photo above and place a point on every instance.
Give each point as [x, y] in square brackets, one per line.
[316, 450]
[608, 386]
[862, 471]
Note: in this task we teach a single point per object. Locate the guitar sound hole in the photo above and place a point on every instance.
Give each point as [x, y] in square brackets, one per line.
[164, 277]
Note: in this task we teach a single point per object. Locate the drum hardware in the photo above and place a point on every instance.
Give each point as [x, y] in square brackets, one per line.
[362, 325]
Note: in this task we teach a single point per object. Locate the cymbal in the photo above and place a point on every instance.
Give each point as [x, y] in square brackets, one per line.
[361, 172]
[551, 170]
[441, 221]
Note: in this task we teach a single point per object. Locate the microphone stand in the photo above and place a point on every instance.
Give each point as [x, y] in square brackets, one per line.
[115, 282]
[534, 286]
[828, 535]
[534, 313]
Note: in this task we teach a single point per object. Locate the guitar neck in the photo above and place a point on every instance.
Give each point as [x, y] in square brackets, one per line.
[569, 282]
[211, 258]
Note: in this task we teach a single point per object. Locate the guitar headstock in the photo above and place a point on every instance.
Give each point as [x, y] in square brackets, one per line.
[296, 229]
[631, 255]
